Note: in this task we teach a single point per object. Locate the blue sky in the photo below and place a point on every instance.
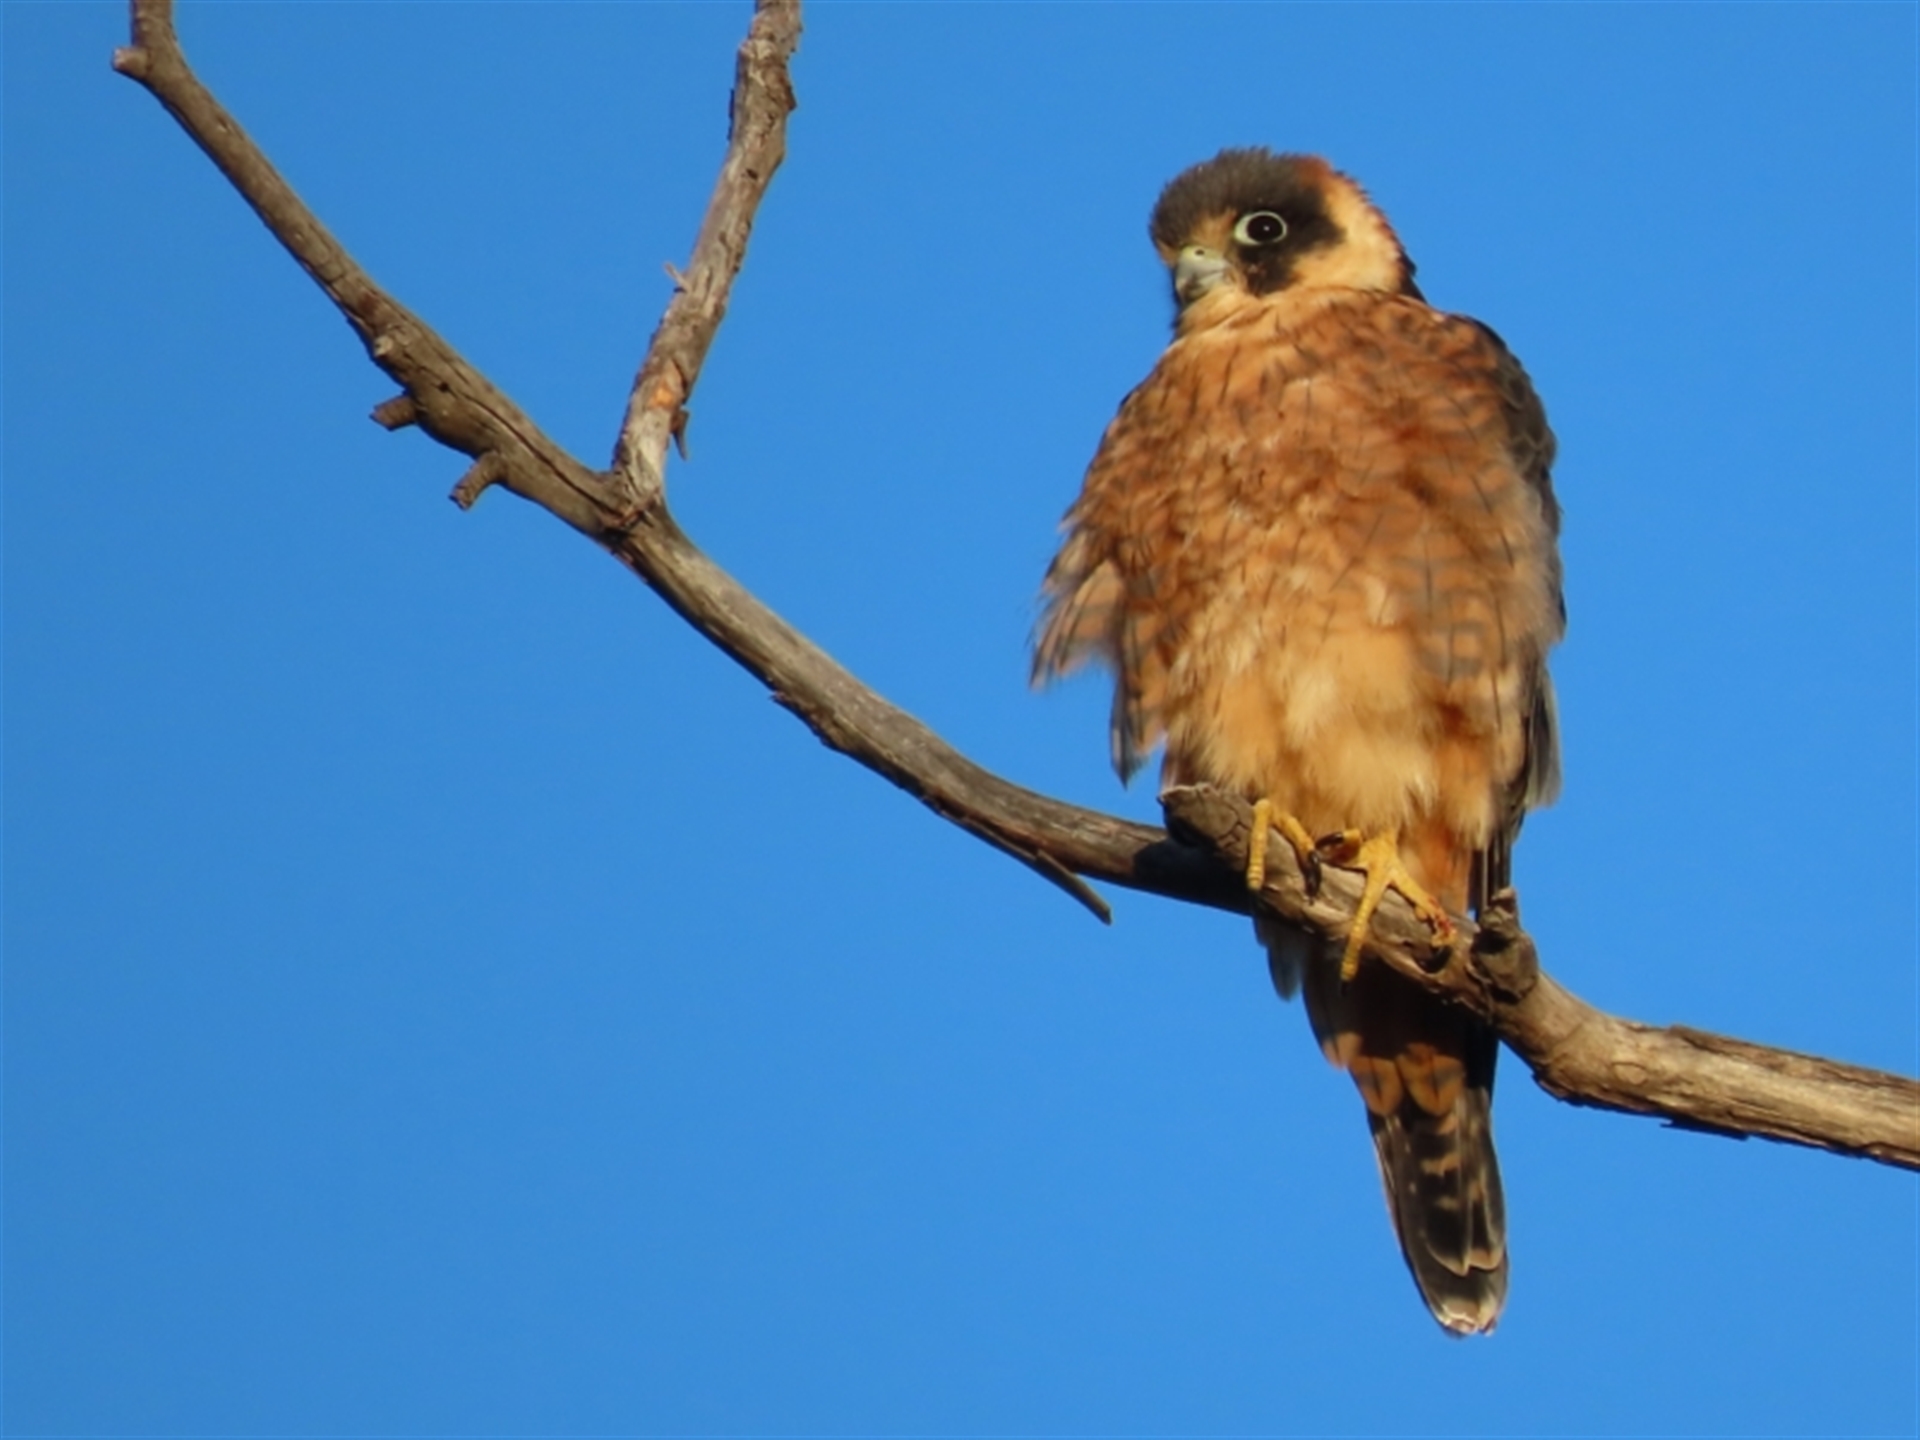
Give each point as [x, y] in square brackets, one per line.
[444, 996]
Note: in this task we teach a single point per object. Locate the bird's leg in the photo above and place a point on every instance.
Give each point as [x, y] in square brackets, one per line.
[1378, 858]
[1295, 834]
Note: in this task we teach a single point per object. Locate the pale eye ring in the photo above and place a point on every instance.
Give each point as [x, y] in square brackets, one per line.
[1262, 227]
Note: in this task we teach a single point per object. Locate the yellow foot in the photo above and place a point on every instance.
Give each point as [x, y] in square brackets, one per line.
[1378, 858]
[1295, 834]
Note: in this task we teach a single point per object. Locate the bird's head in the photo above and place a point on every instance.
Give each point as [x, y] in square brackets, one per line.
[1262, 223]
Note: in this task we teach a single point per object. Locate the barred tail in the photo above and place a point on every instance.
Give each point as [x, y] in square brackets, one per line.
[1425, 1072]
[1443, 1192]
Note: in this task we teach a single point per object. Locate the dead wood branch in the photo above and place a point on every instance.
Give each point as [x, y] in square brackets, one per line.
[1688, 1077]
[1576, 1052]
[756, 144]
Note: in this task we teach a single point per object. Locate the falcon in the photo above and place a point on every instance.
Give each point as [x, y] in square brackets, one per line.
[1317, 548]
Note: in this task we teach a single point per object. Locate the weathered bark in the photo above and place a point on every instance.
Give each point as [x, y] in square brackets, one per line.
[1575, 1051]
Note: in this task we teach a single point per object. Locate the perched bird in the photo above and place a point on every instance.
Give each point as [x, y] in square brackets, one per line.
[1317, 547]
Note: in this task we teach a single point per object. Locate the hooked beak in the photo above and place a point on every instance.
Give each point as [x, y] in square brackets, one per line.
[1197, 271]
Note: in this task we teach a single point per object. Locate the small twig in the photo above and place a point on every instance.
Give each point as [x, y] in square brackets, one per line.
[756, 144]
[489, 469]
[397, 413]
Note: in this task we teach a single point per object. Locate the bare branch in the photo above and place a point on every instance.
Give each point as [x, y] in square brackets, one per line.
[1576, 1052]
[1580, 1054]
[453, 402]
[756, 144]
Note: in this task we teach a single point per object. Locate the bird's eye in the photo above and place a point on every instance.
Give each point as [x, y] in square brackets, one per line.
[1262, 227]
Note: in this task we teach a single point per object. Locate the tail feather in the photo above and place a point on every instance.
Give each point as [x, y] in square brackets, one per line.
[1443, 1192]
[1425, 1072]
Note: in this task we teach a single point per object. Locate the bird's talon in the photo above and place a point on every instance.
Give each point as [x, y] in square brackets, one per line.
[1377, 857]
[1338, 846]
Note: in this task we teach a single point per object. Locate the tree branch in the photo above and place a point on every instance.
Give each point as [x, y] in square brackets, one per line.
[450, 400]
[1575, 1051]
[756, 144]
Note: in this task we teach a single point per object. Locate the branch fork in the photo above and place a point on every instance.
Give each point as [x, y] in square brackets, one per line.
[1576, 1052]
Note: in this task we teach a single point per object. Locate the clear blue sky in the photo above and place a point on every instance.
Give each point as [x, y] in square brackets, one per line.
[445, 996]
